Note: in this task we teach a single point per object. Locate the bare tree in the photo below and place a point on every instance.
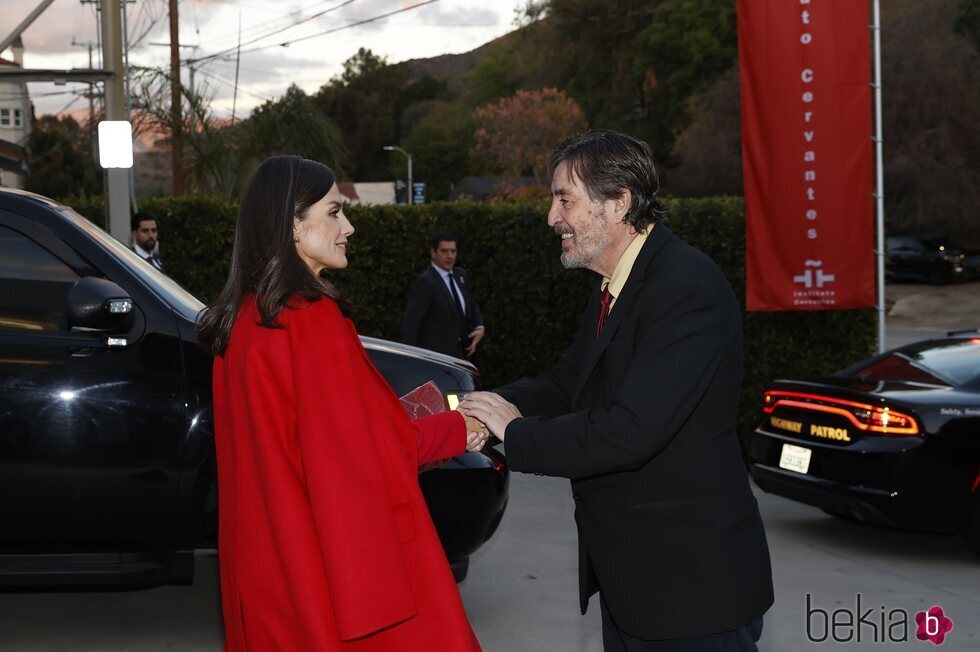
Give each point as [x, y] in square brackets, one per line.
[710, 148]
[218, 162]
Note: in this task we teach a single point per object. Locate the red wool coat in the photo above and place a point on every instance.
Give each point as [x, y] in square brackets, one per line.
[325, 541]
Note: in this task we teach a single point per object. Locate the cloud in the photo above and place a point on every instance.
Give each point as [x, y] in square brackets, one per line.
[275, 68]
[264, 73]
[437, 13]
[456, 15]
[52, 31]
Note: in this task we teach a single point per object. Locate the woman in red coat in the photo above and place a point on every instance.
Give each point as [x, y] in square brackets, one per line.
[325, 541]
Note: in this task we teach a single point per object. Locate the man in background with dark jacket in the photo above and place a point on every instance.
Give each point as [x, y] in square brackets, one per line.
[442, 314]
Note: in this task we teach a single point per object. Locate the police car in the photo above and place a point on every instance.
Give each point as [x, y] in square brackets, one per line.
[893, 440]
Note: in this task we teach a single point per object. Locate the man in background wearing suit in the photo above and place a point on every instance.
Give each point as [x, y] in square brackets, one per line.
[640, 414]
[145, 237]
[442, 314]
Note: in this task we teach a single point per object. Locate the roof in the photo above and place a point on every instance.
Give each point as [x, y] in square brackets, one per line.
[347, 190]
[13, 157]
[8, 62]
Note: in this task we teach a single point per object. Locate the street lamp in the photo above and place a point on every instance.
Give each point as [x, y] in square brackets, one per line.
[393, 148]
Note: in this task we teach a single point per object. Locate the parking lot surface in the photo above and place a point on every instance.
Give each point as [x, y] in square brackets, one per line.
[521, 592]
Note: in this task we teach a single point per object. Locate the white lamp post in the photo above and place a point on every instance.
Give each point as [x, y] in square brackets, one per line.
[393, 148]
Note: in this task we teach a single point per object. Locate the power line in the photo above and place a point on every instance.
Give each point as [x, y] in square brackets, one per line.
[153, 23]
[137, 19]
[305, 19]
[27, 96]
[234, 3]
[341, 28]
[216, 78]
[482, 25]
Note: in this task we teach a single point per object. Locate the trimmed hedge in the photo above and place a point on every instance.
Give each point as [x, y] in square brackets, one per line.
[531, 304]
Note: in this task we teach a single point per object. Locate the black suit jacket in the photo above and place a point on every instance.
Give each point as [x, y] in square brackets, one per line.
[431, 319]
[642, 420]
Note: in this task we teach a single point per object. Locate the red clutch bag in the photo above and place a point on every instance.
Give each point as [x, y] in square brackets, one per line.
[423, 401]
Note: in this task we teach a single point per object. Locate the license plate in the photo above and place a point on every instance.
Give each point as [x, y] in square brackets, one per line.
[795, 458]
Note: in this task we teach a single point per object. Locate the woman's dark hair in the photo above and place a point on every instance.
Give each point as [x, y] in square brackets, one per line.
[264, 261]
[608, 162]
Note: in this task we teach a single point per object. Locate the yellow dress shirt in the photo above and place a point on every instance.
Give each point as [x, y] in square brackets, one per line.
[617, 281]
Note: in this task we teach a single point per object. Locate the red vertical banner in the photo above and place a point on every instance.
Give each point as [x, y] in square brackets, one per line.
[805, 68]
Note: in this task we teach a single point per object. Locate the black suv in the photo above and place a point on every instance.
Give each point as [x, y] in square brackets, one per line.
[107, 470]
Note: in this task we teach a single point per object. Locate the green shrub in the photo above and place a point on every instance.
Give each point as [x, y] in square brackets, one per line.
[530, 303]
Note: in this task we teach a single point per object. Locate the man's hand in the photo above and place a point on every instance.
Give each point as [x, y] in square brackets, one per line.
[492, 410]
[475, 338]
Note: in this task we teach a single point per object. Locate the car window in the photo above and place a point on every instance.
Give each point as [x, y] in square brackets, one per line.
[953, 362]
[179, 299]
[34, 285]
[907, 244]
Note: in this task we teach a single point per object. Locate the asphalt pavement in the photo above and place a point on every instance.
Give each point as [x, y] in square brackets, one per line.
[521, 593]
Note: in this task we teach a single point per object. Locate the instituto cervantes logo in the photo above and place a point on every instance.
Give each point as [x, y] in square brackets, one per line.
[877, 625]
[815, 286]
[815, 277]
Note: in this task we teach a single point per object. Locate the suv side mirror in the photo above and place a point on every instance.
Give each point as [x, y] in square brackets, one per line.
[98, 304]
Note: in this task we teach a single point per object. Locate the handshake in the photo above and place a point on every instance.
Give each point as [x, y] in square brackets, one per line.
[486, 414]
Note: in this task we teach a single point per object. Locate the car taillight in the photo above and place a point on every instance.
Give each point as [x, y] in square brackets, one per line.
[495, 458]
[862, 415]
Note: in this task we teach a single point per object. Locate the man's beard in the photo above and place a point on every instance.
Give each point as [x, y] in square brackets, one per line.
[589, 244]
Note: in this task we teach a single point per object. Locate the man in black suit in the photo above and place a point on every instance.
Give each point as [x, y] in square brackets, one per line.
[442, 314]
[145, 237]
[640, 414]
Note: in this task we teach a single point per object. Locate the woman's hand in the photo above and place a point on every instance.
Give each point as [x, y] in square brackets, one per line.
[475, 441]
[477, 433]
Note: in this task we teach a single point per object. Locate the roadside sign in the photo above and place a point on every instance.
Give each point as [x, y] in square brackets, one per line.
[418, 192]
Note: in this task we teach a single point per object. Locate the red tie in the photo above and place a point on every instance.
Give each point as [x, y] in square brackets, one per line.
[604, 302]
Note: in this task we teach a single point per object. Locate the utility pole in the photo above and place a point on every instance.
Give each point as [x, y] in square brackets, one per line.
[191, 88]
[176, 137]
[98, 28]
[91, 86]
[129, 101]
[191, 94]
[118, 196]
